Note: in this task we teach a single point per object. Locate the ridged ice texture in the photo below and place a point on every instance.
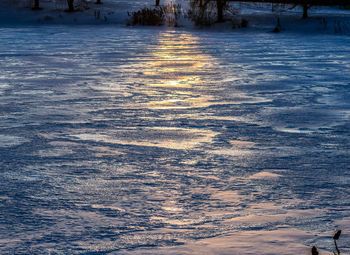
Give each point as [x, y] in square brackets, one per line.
[131, 140]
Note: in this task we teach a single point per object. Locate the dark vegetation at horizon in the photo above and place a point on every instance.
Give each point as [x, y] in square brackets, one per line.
[208, 12]
[220, 5]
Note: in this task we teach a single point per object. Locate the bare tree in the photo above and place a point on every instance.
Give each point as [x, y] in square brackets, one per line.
[36, 5]
[305, 9]
[220, 5]
[70, 5]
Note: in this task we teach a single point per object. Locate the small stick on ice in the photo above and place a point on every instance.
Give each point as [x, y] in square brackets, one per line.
[335, 238]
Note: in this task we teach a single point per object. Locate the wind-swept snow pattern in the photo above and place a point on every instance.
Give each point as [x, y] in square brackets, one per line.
[160, 141]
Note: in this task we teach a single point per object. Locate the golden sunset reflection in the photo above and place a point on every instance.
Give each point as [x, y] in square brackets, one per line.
[177, 70]
[162, 137]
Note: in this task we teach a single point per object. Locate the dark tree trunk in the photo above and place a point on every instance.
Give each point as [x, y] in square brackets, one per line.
[70, 5]
[220, 8]
[157, 2]
[36, 5]
[305, 9]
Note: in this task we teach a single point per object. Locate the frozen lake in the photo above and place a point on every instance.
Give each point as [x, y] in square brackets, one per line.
[121, 140]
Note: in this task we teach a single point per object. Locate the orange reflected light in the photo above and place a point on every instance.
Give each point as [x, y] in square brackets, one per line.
[177, 68]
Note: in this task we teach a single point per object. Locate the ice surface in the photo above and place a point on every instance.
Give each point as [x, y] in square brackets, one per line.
[8, 140]
[153, 141]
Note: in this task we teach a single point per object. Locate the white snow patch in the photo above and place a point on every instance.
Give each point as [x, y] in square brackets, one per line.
[9, 141]
[265, 175]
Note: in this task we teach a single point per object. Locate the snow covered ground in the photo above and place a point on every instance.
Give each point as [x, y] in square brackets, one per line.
[131, 140]
[116, 12]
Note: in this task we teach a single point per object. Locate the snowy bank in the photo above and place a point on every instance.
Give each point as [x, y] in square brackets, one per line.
[54, 12]
[258, 16]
